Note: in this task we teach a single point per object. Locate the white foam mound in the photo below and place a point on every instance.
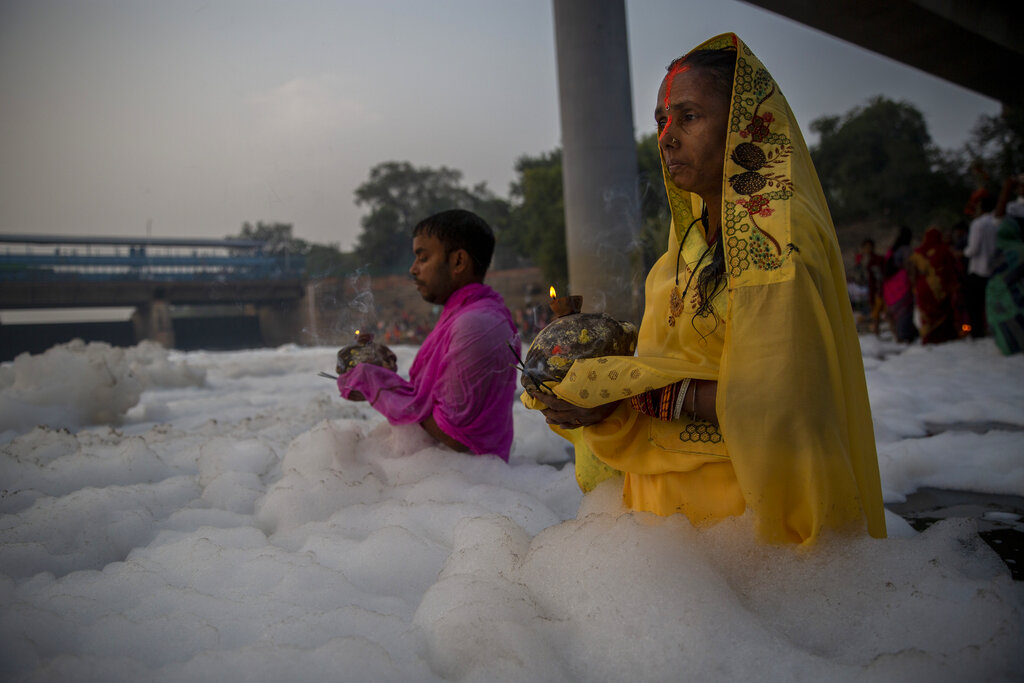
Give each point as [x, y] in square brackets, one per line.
[264, 529]
[77, 384]
[612, 597]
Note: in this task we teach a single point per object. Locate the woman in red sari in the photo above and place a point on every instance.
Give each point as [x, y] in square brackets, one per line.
[934, 273]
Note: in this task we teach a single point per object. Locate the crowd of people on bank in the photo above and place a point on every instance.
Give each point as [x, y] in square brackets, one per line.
[964, 281]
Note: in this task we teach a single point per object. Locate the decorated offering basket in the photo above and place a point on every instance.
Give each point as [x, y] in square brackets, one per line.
[365, 350]
[570, 338]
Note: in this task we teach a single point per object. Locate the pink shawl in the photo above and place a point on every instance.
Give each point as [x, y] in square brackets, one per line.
[463, 375]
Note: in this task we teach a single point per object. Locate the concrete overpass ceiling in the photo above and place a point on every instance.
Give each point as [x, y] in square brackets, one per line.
[977, 44]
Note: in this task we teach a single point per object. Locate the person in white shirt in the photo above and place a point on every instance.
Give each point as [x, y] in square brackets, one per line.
[1015, 208]
[980, 250]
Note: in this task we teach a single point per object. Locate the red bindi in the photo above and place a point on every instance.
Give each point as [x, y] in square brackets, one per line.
[676, 70]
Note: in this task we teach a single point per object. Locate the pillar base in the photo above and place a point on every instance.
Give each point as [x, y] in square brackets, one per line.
[152, 321]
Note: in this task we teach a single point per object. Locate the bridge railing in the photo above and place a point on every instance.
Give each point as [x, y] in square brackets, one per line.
[138, 265]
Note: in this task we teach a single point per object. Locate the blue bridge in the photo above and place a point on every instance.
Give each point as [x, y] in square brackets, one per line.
[52, 271]
[55, 258]
[154, 276]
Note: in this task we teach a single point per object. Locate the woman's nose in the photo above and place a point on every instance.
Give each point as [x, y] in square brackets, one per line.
[665, 138]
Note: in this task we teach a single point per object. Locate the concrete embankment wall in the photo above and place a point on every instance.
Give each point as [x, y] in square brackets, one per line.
[329, 314]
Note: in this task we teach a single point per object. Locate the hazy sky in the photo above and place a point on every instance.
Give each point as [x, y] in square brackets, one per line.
[202, 114]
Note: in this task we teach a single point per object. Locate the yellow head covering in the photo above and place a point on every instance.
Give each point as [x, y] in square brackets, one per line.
[792, 399]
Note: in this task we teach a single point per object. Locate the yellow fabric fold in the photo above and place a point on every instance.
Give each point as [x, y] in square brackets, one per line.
[596, 381]
[795, 442]
[666, 351]
[590, 470]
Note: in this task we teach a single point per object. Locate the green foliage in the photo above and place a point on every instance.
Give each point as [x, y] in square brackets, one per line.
[327, 260]
[537, 220]
[321, 260]
[537, 224]
[879, 161]
[655, 217]
[399, 196]
[277, 236]
[277, 240]
[997, 144]
[875, 162]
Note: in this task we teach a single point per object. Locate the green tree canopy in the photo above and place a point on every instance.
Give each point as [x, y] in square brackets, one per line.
[996, 145]
[878, 161]
[327, 260]
[400, 195]
[321, 260]
[277, 237]
[655, 216]
[537, 222]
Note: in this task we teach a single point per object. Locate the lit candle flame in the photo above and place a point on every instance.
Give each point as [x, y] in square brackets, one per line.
[357, 333]
[553, 295]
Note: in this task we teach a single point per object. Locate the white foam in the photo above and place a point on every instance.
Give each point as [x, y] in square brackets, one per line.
[268, 530]
[76, 384]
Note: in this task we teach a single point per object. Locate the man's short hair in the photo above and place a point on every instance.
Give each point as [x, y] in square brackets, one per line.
[461, 229]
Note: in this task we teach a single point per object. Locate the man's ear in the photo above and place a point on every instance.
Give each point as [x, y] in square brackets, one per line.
[460, 263]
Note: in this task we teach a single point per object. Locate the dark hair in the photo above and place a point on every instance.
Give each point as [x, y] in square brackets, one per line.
[868, 240]
[460, 229]
[903, 238]
[988, 203]
[712, 278]
[893, 259]
[718, 66]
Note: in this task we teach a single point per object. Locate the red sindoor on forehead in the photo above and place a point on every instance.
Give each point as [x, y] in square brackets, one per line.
[676, 70]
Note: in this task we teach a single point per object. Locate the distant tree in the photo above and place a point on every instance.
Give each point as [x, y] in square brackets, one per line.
[497, 212]
[655, 216]
[537, 224]
[997, 144]
[277, 237]
[277, 240]
[537, 221]
[878, 161]
[327, 260]
[321, 260]
[399, 195]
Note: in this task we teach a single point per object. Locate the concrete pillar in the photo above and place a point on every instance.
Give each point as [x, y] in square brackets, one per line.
[284, 323]
[153, 321]
[602, 206]
[313, 320]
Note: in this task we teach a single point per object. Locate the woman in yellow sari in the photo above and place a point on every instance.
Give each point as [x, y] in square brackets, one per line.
[748, 387]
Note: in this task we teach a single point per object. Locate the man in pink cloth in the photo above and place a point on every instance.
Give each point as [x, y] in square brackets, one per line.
[462, 383]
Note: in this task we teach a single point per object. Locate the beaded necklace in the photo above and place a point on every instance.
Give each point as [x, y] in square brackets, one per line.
[676, 298]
